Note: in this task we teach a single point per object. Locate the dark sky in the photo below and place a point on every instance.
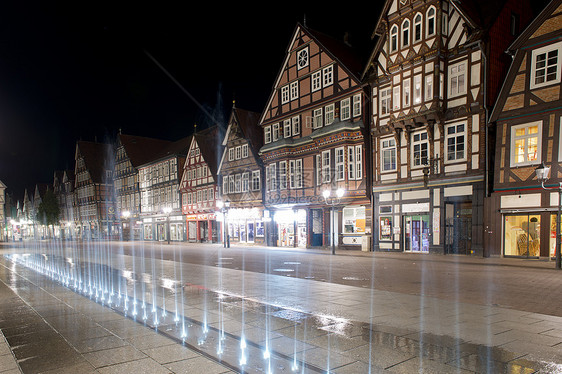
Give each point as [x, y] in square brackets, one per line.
[79, 70]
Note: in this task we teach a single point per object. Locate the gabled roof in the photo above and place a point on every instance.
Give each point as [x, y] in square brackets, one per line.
[2, 185]
[96, 157]
[69, 174]
[534, 25]
[248, 122]
[140, 149]
[209, 142]
[179, 148]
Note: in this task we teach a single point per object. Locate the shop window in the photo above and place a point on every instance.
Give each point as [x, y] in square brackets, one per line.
[353, 219]
[522, 235]
[385, 228]
[552, 241]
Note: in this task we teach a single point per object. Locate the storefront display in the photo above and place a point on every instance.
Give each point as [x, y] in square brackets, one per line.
[353, 220]
[522, 235]
[416, 233]
[385, 228]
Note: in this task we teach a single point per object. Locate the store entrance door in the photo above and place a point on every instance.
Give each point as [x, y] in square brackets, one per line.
[416, 233]
[458, 228]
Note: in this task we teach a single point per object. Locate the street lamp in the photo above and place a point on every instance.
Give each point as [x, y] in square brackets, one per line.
[333, 201]
[126, 215]
[167, 210]
[542, 172]
[223, 207]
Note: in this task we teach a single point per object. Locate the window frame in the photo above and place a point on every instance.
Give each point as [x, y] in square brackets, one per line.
[345, 109]
[285, 97]
[385, 101]
[294, 90]
[420, 142]
[454, 76]
[326, 167]
[328, 76]
[540, 51]
[282, 175]
[267, 135]
[405, 33]
[296, 125]
[406, 93]
[299, 55]
[393, 39]
[527, 136]
[430, 25]
[456, 135]
[317, 118]
[388, 148]
[339, 160]
[316, 81]
[287, 128]
[428, 87]
[417, 27]
[256, 177]
[244, 150]
[329, 114]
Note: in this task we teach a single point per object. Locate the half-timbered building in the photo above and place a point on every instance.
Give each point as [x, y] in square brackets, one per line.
[240, 174]
[314, 140]
[3, 221]
[431, 85]
[199, 186]
[528, 120]
[69, 210]
[159, 181]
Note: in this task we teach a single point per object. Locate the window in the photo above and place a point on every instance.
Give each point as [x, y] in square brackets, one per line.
[329, 114]
[457, 79]
[294, 90]
[272, 177]
[237, 182]
[316, 81]
[302, 58]
[295, 173]
[267, 134]
[429, 87]
[275, 132]
[405, 33]
[420, 149]
[455, 139]
[514, 24]
[545, 66]
[354, 164]
[230, 154]
[417, 89]
[245, 151]
[385, 101]
[284, 95]
[282, 175]
[256, 180]
[345, 110]
[526, 144]
[406, 89]
[340, 175]
[296, 122]
[326, 167]
[358, 162]
[287, 128]
[245, 181]
[388, 154]
[396, 98]
[444, 24]
[393, 38]
[356, 105]
[328, 74]
[430, 21]
[417, 27]
[231, 184]
[317, 122]
[238, 153]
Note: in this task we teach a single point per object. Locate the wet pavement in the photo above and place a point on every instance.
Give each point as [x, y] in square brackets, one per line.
[214, 319]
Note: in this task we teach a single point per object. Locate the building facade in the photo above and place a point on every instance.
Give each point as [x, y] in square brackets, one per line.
[314, 141]
[3, 221]
[431, 85]
[160, 200]
[199, 186]
[241, 174]
[528, 120]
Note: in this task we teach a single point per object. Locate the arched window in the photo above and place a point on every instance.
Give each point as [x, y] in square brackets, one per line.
[394, 38]
[430, 28]
[405, 33]
[417, 27]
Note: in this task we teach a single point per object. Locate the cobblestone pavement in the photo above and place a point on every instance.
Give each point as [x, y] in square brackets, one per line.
[352, 313]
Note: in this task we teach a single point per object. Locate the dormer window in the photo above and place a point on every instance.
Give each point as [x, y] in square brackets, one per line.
[430, 22]
[394, 38]
[302, 58]
[405, 33]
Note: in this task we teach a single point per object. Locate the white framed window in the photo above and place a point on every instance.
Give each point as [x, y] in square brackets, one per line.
[230, 154]
[351, 163]
[276, 132]
[358, 162]
[345, 109]
[256, 180]
[225, 185]
[238, 182]
[295, 173]
[245, 151]
[296, 123]
[406, 92]
[340, 163]
[444, 24]
[457, 79]
[294, 90]
[545, 65]
[245, 181]
[417, 27]
[317, 118]
[329, 114]
[204, 195]
[272, 177]
[328, 75]
[316, 81]
[384, 101]
[396, 98]
[429, 87]
[420, 149]
[267, 134]
[406, 33]
[526, 144]
[455, 140]
[388, 154]
[231, 188]
[430, 21]
[417, 89]
[238, 152]
[326, 167]
[302, 58]
[356, 105]
[318, 170]
[287, 128]
[284, 95]
[393, 38]
[283, 175]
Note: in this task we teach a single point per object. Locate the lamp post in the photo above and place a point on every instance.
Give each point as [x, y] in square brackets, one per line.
[542, 172]
[223, 207]
[126, 215]
[167, 210]
[333, 201]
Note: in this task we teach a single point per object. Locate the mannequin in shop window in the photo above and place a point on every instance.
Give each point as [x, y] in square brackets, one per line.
[528, 242]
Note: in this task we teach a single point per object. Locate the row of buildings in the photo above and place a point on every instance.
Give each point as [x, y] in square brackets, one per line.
[432, 141]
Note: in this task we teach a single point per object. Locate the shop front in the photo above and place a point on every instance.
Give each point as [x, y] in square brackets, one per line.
[246, 225]
[202, 228]
[291, 226]
[354, 221]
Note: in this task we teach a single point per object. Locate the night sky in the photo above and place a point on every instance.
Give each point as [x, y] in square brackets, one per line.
[82, 70]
